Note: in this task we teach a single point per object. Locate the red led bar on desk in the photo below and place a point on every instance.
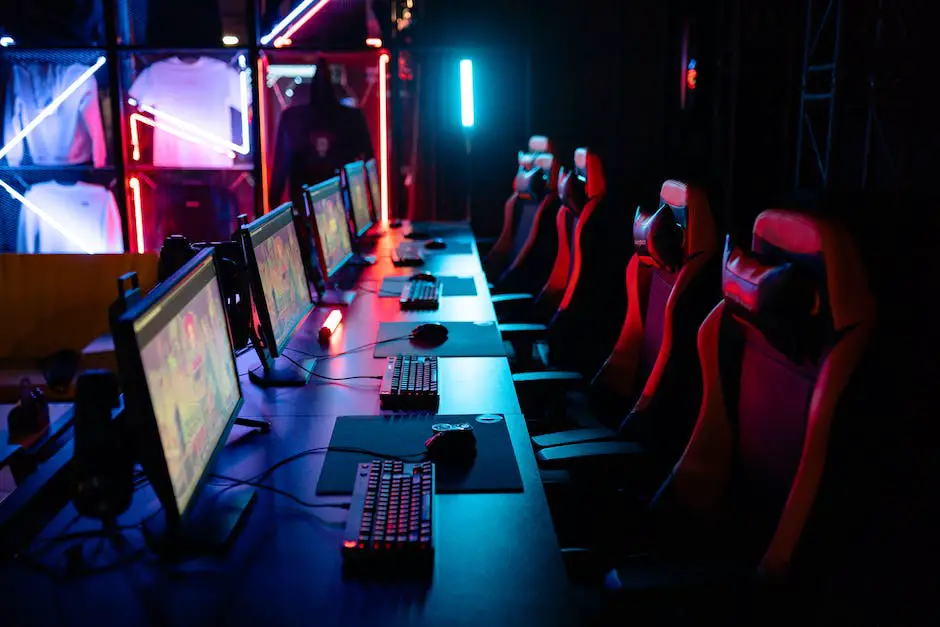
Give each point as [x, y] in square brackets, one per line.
[329, 325]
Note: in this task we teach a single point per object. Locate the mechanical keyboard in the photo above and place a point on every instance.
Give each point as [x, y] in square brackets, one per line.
[420, 294]
[409, 382]
[406, 255]
[391, 516]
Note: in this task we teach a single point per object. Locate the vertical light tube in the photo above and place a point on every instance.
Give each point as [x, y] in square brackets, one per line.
[383, 132]
[466, 93]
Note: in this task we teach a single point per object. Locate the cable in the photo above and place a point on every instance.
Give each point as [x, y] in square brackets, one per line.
[351, 350]
[264, 474]
[323, 376]
[280, 492]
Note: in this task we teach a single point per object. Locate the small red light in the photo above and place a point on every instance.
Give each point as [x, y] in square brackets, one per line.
[349, 544]
[691, 78]
[329, 325]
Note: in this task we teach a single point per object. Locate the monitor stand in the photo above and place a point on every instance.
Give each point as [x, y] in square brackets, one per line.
[218, 516]
[362, 260]
[281, 373]
[336, 297]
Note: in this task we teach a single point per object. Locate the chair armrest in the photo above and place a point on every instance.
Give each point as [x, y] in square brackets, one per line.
[522, 331]
[511, 298]
[575, 436]
[588, 452]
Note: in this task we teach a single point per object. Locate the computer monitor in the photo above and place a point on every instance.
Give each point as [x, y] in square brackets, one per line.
[375, 193]
[360, 208]
[181, 389]
[326, 212]
[280, 291]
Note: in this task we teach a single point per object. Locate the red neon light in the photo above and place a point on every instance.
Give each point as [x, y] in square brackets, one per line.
[691, 78]
[285, 40]
[349, 544]
[383, 132]
[134, 184]
[329, 325]
[263, 121]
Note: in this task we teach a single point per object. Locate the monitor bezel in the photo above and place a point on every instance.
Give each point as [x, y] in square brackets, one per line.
[375, 202]
[142, 419]
[334, 186]
[353, 170]
[257, 289]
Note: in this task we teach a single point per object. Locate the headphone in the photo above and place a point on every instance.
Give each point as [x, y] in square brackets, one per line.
[102, 468]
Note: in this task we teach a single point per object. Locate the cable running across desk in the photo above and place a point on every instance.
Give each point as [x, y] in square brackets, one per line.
[323, 376]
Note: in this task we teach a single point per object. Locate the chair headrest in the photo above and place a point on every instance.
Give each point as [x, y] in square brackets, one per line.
[572, 190]
[689, 205]
[759, 290]
[531, 183]
[658, 238]
[824, 251]
[526, 160]
[544, 161]
[538, 143]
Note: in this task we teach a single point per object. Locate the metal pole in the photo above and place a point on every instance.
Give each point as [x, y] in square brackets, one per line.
[117, 147]
[802, 122]
[832, 96]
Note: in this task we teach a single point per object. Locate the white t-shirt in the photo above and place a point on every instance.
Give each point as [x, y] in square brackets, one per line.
[199, 93]
[86, 212]
[72, 134]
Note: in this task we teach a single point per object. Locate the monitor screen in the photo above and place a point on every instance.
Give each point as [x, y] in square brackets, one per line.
[280, 275]
[373, 175]
[189, 369]
[358, 197]
[328, 216]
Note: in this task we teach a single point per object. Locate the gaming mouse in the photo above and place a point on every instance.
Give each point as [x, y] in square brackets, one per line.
[423, 276]
[430, 334]
[435, 244]
[451, 443]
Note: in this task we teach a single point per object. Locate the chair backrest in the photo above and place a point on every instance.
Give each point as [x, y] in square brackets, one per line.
[777, 354]
[529, 186]
[669, 292]
[581, 191]
[536, 240]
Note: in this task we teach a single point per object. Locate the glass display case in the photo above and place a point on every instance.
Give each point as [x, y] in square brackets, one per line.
[188, 143]
[57, 173]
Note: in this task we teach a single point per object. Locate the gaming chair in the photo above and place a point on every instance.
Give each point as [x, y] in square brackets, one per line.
[777, 355]
[528, 189]
[671, 285]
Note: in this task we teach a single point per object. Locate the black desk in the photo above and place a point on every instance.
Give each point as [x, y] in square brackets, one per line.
[497, 562]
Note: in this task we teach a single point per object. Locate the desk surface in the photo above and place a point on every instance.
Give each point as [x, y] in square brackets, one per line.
[497, 559]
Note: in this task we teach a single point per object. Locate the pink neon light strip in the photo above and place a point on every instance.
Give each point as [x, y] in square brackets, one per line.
[45, 217]
[52, 106]
[383, 132]
[138, 214]
[284, 40]
[169, 128]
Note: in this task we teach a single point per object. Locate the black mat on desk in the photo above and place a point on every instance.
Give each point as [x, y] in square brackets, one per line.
[493, 470]
[465, 339]
[453, 248]
[451, 286]
[439, 228]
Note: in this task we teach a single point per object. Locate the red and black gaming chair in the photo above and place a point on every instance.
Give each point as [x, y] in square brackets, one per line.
[777, 356]
[580, 232]
[671, 285]
[528, 189]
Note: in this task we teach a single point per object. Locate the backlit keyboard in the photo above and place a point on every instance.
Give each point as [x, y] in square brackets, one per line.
[391, 517]
[409, 382]
[420, 295]
[407, 255]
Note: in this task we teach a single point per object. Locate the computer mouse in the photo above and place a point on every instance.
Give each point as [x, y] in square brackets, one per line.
[430, 334]
[423, 276]
[435, 244]
[456, 444]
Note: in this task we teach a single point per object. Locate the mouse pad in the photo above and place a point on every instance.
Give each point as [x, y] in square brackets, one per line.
[453, 248]
[450, 285]
[493, 470]
[440, 229]
[464, 339]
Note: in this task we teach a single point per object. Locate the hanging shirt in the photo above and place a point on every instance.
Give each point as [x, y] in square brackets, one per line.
[72, 134]
[199, 93]
[87, 213]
